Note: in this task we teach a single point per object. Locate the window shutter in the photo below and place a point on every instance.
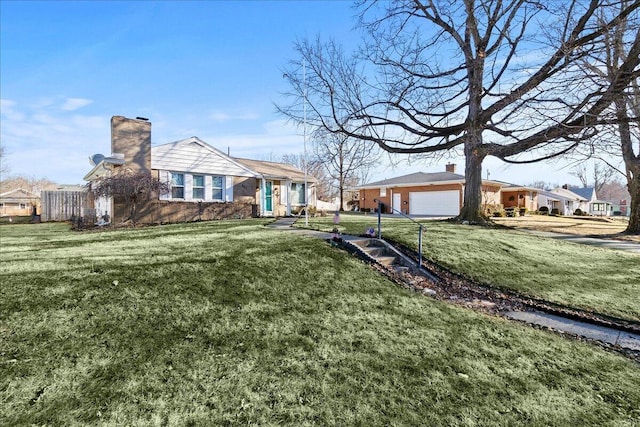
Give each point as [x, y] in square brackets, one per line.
[165, 176]
[228, 181]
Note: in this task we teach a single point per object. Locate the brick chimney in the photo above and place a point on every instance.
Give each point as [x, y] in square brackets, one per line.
[132, 138]
[451, 167]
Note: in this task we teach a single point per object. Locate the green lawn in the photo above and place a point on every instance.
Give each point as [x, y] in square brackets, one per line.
[602, 280]
[230, 323]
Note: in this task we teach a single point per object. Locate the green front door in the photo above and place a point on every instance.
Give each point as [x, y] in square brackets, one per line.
[268, 196]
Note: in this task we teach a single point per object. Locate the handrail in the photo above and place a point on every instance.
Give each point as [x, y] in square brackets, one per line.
[421, 228]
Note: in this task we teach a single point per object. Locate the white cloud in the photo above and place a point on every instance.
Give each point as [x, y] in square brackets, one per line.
[43, 141]
[72, 104]
[222, 117]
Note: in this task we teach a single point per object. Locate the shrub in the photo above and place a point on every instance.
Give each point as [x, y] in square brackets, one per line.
[498, 213]
[578, 212]
[617, 213]
[555, 211]
[544, 210]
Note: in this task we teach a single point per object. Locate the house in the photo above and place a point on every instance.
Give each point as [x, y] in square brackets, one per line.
[569, 199]
[205, 183]
[282, 187]
[440, 194]
[19, 202]
[593, 206]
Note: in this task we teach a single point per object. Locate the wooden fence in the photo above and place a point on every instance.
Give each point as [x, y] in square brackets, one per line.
[66, 205]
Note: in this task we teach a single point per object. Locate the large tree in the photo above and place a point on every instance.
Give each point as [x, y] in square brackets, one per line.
[618, 144]
[488, 77]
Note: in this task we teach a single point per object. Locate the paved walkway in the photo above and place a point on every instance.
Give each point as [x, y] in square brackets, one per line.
[621, 245]
[570, 326]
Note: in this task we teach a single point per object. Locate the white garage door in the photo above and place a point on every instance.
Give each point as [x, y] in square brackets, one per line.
[445, 203]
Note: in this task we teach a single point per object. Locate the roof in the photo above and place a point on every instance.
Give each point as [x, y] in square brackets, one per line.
[587, 193]
[104, 166]
[417, 178]
[195, 155]
[275, 170]
[567, 194]
[17, 195]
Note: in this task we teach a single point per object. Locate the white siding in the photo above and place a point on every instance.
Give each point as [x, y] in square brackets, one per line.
[191, 156]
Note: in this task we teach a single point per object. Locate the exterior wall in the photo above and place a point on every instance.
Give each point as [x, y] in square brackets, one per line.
[14, 209]
[192, 157]
[368, 195]
[520, 199]
[132, 137]
[160, 211]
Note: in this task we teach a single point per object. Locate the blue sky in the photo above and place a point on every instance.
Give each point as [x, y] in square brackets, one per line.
[211, 69]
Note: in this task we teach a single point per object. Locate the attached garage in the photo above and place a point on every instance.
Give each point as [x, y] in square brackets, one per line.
[444, 203]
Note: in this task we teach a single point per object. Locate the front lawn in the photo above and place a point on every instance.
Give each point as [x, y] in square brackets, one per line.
[230, 323]
[601, 280]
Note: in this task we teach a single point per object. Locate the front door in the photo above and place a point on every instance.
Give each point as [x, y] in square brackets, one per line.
[397, 202]
[268, 197]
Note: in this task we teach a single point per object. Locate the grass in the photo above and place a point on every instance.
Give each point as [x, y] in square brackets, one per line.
[601, 280]
[229, 323]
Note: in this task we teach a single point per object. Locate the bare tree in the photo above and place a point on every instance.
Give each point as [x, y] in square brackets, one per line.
[33, 185]
[621, 126]
[314, 169]
[600, 175]
[134, 189]
[344, 159]
[4, 164]
[488, 77]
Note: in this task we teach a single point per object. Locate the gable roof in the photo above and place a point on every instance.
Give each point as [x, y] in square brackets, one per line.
[17, 195]
[587, 193]
[567, 194]
[195, 155]
[417, 178]
[275, 170]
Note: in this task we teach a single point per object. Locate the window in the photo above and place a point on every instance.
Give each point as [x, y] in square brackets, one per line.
[198, 187]
[177, 185]
[23, 206]
[216, 187]
[383, 192]
[297, 193]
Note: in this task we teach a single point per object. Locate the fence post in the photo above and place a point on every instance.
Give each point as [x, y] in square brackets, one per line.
[420, 247]
[379, 220]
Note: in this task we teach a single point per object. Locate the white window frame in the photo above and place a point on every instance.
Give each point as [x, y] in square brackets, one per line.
[295, 201]
[195, 187]
[173, 185]
[215, 188]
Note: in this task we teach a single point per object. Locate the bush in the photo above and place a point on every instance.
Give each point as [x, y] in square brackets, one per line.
[543, 210]
[498, 213]
[555, 212]
[617, 213]
[578, 212]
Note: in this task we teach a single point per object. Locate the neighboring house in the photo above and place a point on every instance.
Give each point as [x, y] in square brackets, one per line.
[439, 194]
[19, 202]
[594, 206]
[205, 182]
[567, 200]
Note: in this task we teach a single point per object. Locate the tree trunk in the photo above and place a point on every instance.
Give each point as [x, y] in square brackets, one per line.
[632, 164]
[634, 217]
[474, 155]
